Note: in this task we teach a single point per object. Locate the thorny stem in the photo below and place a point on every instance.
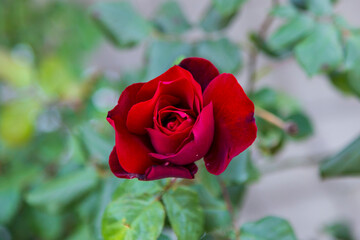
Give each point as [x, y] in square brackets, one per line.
[254, 52]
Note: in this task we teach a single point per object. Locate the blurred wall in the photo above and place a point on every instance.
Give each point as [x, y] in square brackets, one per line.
[297, 194]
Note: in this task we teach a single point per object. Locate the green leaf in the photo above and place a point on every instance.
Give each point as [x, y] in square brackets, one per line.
[344, 163]
[354, 80]
[224, 54]
[133, 218]
[61, 191]
[15, 71]
[185, 213]
[208, 181]
[9, 201]
[320, 7]
[262, 45]
[291, 32]
[82, 232]
[241, 169]
[4, 233]
[340, 80]
[284, 11]
[322, 49]
[304, 126]
[300, 4]
[215, 211]
[170, 19]
[340, 231]
[227, 7]
[135, 187]
[162, 54]
[163, 237]
[48, 226]
[269, 228]
[119, 21]
[98, 146]
[213, 20]
[352, 52]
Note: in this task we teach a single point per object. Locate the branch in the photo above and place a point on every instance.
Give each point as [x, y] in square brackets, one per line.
[254, 52]
[289, 127]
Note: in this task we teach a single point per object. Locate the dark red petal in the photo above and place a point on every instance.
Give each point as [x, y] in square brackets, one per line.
[172, 74]
[202, 70]
[132, 150]
[116, 168]
[166, 144]
[194, 150]
[165, 171]
[141, 115]
[235, 128]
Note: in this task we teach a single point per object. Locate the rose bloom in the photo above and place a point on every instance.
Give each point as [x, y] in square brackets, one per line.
[190, 112]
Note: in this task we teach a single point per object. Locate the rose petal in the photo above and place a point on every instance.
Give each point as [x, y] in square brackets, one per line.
[116, 168]
[166, 144]
[132, 150]
[235, 128]
[172, 74]
[194, 150]
[141, 115]
[164, 171]
[202, 70]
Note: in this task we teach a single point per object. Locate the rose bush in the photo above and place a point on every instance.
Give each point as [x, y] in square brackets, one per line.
[190, 112]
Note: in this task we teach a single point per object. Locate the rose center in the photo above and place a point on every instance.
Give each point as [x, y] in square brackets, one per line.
[172, 120]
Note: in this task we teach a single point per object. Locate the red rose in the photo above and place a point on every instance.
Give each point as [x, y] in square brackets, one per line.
[190, 112]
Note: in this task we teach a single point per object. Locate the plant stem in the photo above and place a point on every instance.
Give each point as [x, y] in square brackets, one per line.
[270, 117]
[229, 205]
[254, 52]
[289, 127]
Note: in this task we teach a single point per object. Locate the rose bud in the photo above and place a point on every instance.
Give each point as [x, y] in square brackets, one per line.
[190, 112]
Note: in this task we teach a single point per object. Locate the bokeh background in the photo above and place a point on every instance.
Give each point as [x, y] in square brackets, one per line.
[59, 76]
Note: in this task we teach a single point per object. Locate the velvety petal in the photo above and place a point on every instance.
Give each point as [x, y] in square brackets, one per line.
[172, 74]
[202, 70]
[116, 168]
[194, 150]
[165, 144]
[132, 150]
[141, 115]
[169, 170]
[235, 128]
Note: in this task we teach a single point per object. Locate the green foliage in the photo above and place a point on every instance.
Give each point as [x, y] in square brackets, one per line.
[320, 7]
[121, 24]
[223, 53]
[170, 19]
[321, 50]
[58, 193]
[185, 213]
[290, 33]
[269, 228]
[241, 170]
[136, 188]
[54, 141]
[273, 138]
[220, 14]
[340, 231]
[133, 218]
[9, 202]
[162, 54]
[344, 163]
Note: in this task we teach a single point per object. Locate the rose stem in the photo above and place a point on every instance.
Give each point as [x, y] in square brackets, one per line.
[254, 52]
[288, 127]
[227, 199]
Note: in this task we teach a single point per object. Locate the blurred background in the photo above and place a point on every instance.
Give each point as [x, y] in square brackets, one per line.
[63, 65]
